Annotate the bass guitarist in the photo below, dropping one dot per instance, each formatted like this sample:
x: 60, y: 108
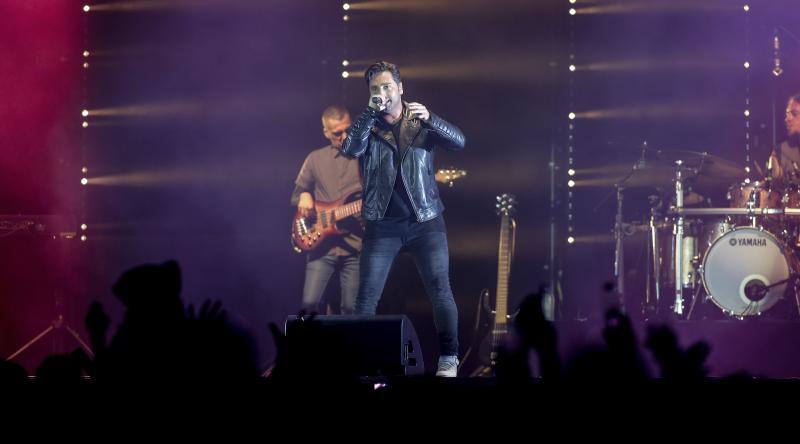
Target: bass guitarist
x: 326, y: 176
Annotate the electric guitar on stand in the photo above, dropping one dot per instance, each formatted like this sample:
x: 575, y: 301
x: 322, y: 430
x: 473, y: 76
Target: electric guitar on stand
x: 309, y: 232
x: 498, y: 318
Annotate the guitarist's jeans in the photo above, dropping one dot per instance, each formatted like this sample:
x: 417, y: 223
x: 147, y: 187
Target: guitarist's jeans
x: 318, y: 274
x: 431, y: 256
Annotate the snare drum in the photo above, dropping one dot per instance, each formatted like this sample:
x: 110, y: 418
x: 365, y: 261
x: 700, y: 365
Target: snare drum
x: 713, y: 229
x: 756, y: 195
x: 791, y: 224
x: 791, y: 197
x: 753, y: 195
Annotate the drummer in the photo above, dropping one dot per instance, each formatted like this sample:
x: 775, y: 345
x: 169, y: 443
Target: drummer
x: 783, y: 164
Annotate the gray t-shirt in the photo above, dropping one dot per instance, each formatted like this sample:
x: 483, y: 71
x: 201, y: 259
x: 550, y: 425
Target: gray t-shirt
x: 789, y: 155
x: 329, y: 176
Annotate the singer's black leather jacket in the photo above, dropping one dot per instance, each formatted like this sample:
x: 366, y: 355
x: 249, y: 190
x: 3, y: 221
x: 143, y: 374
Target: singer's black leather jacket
x: 378, y: 154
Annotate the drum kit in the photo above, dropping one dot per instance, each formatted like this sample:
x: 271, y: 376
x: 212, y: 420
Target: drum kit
x: 742, y: 256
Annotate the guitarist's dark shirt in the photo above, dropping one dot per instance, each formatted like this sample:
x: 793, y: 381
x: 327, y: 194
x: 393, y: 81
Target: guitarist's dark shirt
x: 329, y: 176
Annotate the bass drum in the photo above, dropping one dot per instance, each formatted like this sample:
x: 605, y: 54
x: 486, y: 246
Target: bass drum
x: 740, y: 265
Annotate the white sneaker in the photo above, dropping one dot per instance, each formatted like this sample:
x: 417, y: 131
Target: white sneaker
x: 448, y: 366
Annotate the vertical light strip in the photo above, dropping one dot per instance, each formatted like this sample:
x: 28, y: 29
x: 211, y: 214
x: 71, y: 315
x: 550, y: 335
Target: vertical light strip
x: 84, y: 113
x: 345, y: 42
x: 748, y: 160
x: 571, y: 126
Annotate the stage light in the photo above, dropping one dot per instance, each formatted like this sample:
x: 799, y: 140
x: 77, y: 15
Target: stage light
x: 571, y: 116
x: 84, y: 170
x: 746, y: 65
x: 346, y: 6
x: 345, y: 17
x: 747, y: 113
x: 573, y: 1
x: 747, y: 180
x: 571, y: 183
x: 83, y: 238
x: 85, y: 113
x: 746, y: 8
x: 572, y: 11
x: 345, y: 74
x: 572, y: 68
x: 747, y: 169
x: 345, y: 63
x: 84, y: 181
x: 570, y: 240
x: 84, y: 227
x: 571, y: 172
x: 85, y: 124
x: 86, y: 8
x: 86, y: 65
x: 86, y: 53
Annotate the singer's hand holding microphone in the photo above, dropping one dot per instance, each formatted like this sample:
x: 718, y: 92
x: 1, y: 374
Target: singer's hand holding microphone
x: 417, y: 110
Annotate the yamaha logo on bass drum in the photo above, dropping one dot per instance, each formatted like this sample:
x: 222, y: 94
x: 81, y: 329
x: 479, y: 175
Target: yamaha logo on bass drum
x: 748, y: 242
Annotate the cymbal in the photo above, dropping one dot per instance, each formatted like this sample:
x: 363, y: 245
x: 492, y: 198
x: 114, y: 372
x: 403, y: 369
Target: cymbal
x: 700, y: 169
x: 707, y: 163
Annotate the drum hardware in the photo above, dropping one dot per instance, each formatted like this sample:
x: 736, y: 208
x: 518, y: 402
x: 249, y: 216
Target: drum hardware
x: 757, y: 289
x: 652, y: 301
x: 619, y: 252
x: 697, y: 291
x: 739, y: 257
x: 678, y: 305
x: 740, y: 282
x: 619, y: 226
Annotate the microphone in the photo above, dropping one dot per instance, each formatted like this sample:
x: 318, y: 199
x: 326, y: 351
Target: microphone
x: 755, y: 290
x: 642, y: 162
x: 376, y: 103
x: 776, y: 44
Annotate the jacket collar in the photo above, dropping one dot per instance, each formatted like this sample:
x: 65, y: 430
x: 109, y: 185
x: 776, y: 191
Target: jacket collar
x: 408, y: 131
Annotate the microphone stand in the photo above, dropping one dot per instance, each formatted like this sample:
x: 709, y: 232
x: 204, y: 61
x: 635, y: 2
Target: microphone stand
x: 619, y: 251
x: 761, y: 290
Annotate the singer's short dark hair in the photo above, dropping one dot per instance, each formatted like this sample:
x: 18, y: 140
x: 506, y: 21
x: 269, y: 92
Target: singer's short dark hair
x: 795, y: 97
x: 379, y: 67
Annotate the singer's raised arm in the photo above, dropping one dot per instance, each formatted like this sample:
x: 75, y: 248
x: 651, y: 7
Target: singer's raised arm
x: 357, y: 141
x: 450, y: 136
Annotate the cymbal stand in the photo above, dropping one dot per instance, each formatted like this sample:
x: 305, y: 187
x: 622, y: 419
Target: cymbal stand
x: 652, y: 300
x: 619, y: 252
x: 677, y: 308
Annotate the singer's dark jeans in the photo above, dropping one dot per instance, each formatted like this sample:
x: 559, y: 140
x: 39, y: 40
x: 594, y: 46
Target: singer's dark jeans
x: 430, y: 253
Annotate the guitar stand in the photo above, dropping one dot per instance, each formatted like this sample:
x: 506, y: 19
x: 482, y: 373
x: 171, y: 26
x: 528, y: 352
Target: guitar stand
x: 58, y: 281
x: 56, y: 324
x: 695, y: 297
